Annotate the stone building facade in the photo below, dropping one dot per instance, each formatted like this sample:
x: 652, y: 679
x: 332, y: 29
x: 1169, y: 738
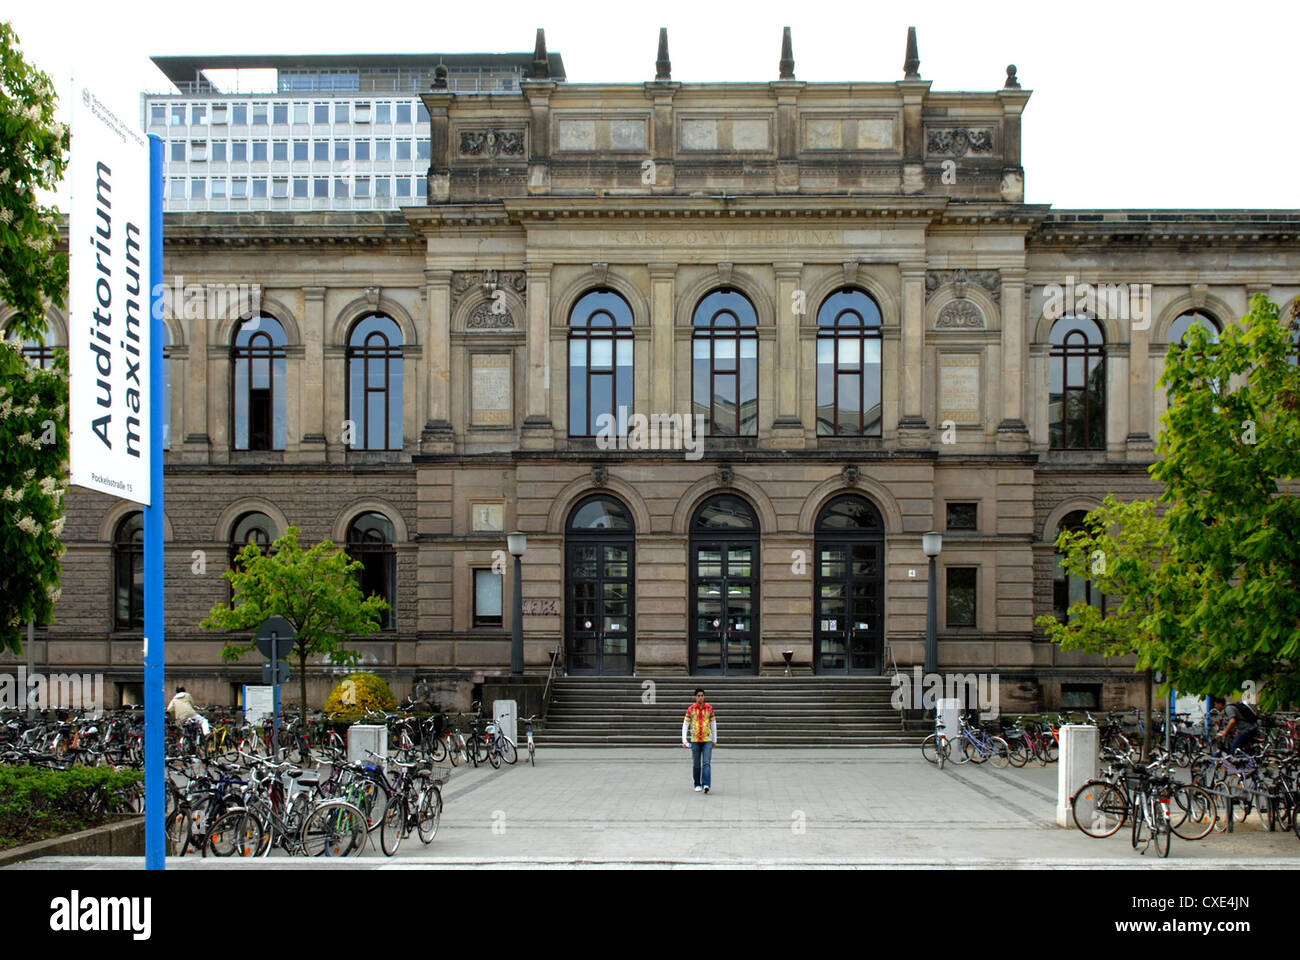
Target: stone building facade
x: 795, y: 524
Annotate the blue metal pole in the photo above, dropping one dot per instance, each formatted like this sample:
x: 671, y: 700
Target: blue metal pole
x: 154, y: 644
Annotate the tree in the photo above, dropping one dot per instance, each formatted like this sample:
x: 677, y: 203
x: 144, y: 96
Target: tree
x: 33, y: 402
x: 32, y: 148
x: 316, y: 590
x: 1231, y: 442
x: 33, y: 469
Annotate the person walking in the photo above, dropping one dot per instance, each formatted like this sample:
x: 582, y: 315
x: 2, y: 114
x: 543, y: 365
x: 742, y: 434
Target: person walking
x: 1242, y: 727
x: 700, y: 733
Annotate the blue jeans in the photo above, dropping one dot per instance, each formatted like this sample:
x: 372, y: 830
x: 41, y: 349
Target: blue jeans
x: 701, y: 754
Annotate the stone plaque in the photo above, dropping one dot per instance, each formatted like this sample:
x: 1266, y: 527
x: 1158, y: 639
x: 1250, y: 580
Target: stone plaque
x: 627, y: 134
x: 699, y: 134
x: 875, y: 133
x: 490, y: 517
x: 749, y: 135
x: 491, y: 397
x: 959, y: 388
x: 577, y: 134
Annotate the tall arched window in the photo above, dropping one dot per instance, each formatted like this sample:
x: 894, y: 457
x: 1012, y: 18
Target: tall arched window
x: 128, y: 573
x: 371, y: 540
x: 724, y: 382
x: 1066, y: 589
x: 848, y: 365
x: 600, y: 361
x: 849, y: 587
x: 374, y: 387
x: 257, y: 386
x: 1077, y: 385
x: 1182, y: 326
x: 255, y: 528
x: 40, y: 352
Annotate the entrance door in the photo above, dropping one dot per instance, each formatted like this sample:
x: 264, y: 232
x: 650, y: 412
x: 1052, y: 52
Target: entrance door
x: 600, y: 580
x: 724, y: 588
x: 848, y: 601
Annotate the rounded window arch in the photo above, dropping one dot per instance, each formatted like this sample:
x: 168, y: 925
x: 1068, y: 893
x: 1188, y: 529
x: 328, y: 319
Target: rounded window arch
x: 1067, y: 589
x: 601, y: 349
x: 850, y: 513
x: 128, y: 572
x: 600, y: 513
x: 1184, y: 322
x: 725, y: 512
x: 257, y: 353
x: 371, y: 540
x: 1077, y: 385
x: 848, y: 365
x: 40, y: 351
x: 724, y: 365
x: 374, y: 383
x: 255, y: 528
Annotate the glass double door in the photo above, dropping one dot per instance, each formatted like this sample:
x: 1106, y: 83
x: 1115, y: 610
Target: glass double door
x: 600, y: 607
x: 724, y: 598
x: 848, y: 617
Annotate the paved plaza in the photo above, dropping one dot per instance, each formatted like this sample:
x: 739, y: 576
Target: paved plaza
x: 768, y: 808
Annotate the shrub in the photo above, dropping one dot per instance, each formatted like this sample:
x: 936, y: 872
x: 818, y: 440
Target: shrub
x: 357, y: 694
x: 37, y: 803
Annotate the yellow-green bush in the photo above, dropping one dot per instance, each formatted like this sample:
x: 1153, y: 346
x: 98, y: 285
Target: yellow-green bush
x: 359, y: 693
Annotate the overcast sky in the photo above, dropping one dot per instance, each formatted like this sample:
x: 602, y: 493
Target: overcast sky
x: 1135, y: 104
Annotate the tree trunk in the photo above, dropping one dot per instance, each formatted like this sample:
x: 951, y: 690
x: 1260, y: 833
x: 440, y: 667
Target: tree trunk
x: 302, y: 686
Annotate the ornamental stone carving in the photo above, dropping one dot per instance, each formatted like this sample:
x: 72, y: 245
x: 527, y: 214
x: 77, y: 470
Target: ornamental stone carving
x: 962, y: 315
x: 492, y: 143
x: 490, y: 315
x: 489, y: 281
x: 959, y: 141
x: 990, y: 281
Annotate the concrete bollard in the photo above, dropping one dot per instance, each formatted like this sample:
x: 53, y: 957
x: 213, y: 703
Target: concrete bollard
x: 1077, y: 763
x: 363, y: 737
x: 949, y: 719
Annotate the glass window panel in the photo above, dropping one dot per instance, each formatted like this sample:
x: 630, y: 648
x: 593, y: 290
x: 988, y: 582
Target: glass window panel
x: 279, y: 151
x: 238, y: 151
x: 709, y: 562
x: 403, y: 113
x: 321, y: 113
x: 300, y: 113
x: 724, y: 349
x: 849, y: 351
x: 602, y: 353
x: 403, y: 149
x: 280, y: 113
x: 239, y: 113
x: 384, y: 150
x: 487, y: 595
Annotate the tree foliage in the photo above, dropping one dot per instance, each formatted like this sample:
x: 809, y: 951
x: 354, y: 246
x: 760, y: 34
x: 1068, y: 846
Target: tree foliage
x: 316, y: 590
x: 1204, y: 584
x: 33, y: 470
x: 32, y: 157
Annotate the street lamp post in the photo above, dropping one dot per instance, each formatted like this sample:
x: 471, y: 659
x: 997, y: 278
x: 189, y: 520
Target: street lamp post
x: 517, y: 543
x: 931, y: 544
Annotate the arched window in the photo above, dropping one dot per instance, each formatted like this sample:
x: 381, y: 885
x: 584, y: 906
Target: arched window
x: 848, y: 587
x: 39, y: 352
x: 1077, y: 385
x: 255, y: 528
x: 374, y: 387
x: 1067, y: 589
x: 1185, y: 321
x: 371, y: 540
x: 724, y: 383
x: 128, y: 573
x: 257, y: 386
x: 848, y: 365
x: 600, y: 362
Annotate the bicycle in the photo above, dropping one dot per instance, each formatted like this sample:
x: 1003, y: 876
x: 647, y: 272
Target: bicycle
x: 424, y: 808
x: 528, y: 727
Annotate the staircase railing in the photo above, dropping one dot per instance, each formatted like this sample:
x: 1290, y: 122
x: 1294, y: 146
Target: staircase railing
x: 893, y: 670
x: 556, y: 656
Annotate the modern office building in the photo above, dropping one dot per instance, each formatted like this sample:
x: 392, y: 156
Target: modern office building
x: 723, y: 351
x: 331, y: 132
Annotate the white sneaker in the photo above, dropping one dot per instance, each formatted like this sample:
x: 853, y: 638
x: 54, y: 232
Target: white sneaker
x: 698, y: 789
x: 706, y: 789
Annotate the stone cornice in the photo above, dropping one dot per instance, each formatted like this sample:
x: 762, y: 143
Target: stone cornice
x: 1093, y: 227
x: 276, y: 228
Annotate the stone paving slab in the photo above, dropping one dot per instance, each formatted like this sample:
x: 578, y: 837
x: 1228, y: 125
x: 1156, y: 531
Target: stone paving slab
x: 770, y: 809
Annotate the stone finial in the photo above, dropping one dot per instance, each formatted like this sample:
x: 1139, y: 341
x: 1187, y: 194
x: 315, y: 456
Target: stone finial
x: 912, y: 59
x: 1012, y: 83
x: 787, y: 56
x: 541, y: 63
x: 663, y: 66
x: 599, y: 475
x: 600, y: 270
x: 440, y: 76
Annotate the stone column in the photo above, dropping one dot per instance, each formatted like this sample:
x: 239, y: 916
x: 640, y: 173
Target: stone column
x: 538, y: 432
x: 664, y: 172
x: 913, y: 93
x: 194, y: 428
x: 1117, y: 399
x: 220, y: 413
x: 438, y: 435
x: 913, y: 430
x: 1013, y: 435
x: 539, y: 93
x: 787, y: 428
x: 312, y: 391
x: 787, y: 134
x: 663, y: 299
x: 1139, y: 444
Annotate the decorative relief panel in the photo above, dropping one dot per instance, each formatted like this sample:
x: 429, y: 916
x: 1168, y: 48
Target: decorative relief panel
x: 583, y: 135
x: 494, y: 142
x: 990, y: 281
x: 726, y: 133
x: 958, y: 141
x: 488, y: 280
x: 960, y: 314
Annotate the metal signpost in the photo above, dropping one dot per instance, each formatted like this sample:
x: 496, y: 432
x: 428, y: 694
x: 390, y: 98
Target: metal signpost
x: 274, y: 640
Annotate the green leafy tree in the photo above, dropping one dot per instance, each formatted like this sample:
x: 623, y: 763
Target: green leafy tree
x: 316, y: 590
x: 32, y: 157
x: 1230, y: 458
x: 33, y: 469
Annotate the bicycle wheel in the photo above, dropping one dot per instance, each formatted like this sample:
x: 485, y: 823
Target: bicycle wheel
x: 428, y: 813
x: 1161, y: 833
x: 1001, y: 755
x: 390, y: 833
x: 178, y: 832
x: 1019, y: 753
x: 1192, y: 812
x: 1051, y: 750
x: 975, y: 752
x: 334, y: 829
x: 438, y: 752
x: 373, y: 800
x: 1141, y: 829
x: 1099, y: 808
x: 494, y: 754
x: 236, y: 832
x: 509, y: 752
x: 942, y: 750
x: 532, y: 753
x: 928, y: 749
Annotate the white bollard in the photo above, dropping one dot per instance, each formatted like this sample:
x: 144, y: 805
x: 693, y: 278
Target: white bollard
x: 363, y: 737
x: 948, y: 714
x: 505, y: 713
x: 1077, y: 763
